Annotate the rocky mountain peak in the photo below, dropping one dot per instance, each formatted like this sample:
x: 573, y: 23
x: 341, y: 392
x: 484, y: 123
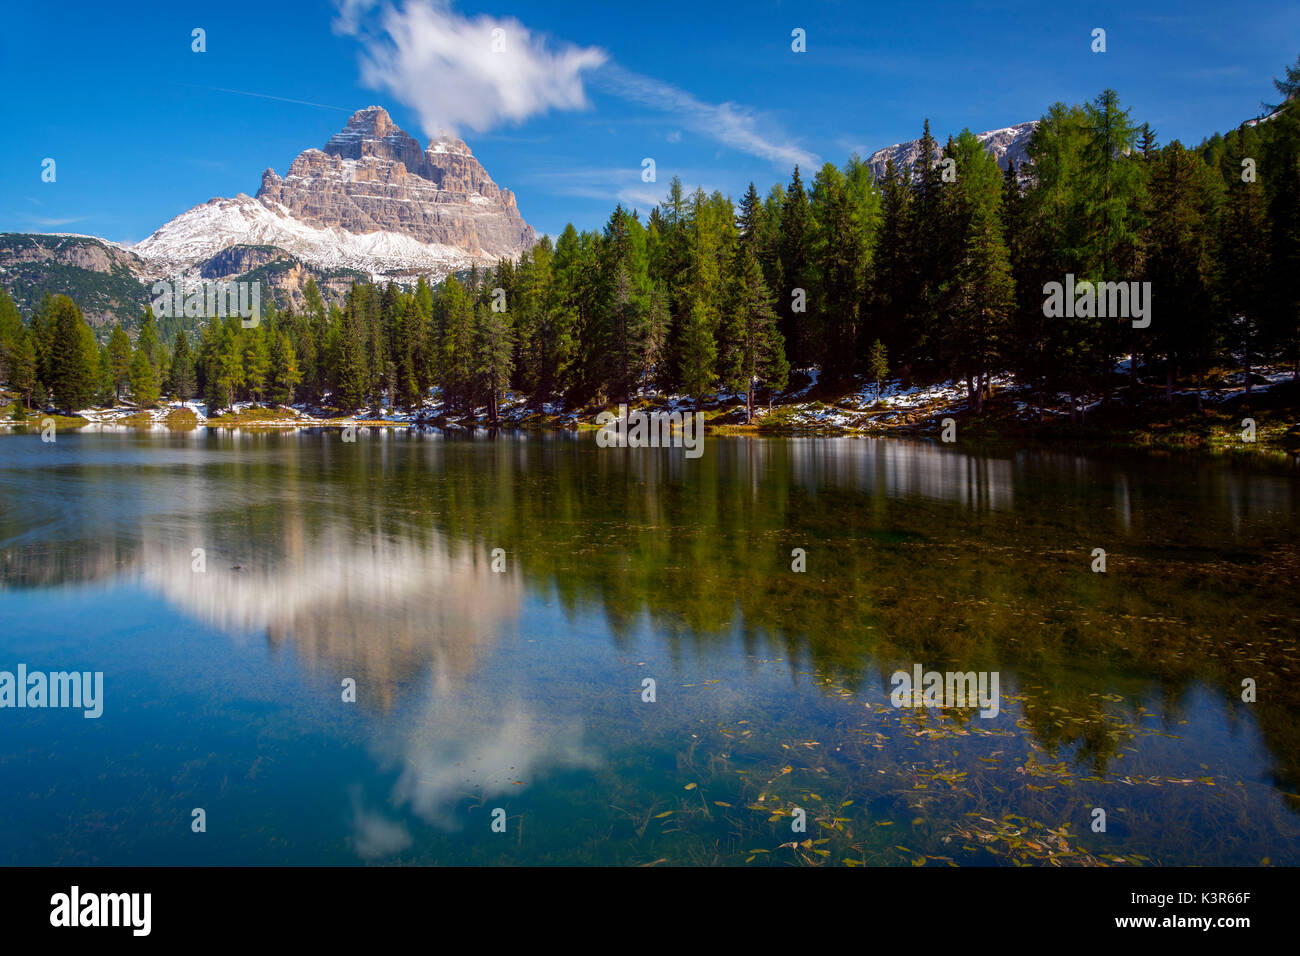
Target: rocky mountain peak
x: 444, y: 142
x: 372, y: 199
x: 372, y: 132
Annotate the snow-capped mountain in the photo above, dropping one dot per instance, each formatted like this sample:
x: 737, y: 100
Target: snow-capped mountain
x: 372, y: 200
x: 196, y: 236
x: 1005, y: 144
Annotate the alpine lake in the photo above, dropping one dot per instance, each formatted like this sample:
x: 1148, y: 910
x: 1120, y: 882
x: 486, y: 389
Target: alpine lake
x: 672, y: 660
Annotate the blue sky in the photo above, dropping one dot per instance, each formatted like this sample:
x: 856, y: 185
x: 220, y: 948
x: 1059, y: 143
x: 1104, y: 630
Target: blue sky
x: 141, y: 130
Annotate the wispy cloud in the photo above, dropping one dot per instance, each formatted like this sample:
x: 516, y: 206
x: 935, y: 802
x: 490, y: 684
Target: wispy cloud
x: 55, y: 222
x: 266, y: 96
x: 444, y: 66
x: 738, y: 127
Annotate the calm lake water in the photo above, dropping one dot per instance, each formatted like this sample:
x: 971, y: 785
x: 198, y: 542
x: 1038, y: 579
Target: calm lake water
x: 522, y: 690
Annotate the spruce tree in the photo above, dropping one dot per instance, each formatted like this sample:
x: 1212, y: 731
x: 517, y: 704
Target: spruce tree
x: 793, y: 254
x: 1180, y: 261
x: 698, y: 352
x: 71, y: 373
x: 182, y: 383
x: 119, y: 359
x: 283, y: 372
x: 22, y: 372
x: 493, y: 356
x: 752, y: 345
x: 878, y: 365
x: 144, y: 380
x: 1242, y: 250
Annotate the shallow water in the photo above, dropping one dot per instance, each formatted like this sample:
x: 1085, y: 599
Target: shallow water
x: 522, y: 690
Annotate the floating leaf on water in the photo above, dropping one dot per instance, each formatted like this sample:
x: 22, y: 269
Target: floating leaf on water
x: 690, y: 786
x: 660, y: 816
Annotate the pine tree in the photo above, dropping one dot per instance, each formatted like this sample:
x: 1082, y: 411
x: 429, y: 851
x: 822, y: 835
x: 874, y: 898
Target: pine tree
x: 1146, y: 141
x: 257, y: 360
x: 624, y: 341
x: 182, y: 383
x: 750, y: 221
x: 351, y: 380
x: 878, y: 365
x: 1054, y: 354
x: 229, y: 365
x: 149, y: 342
x: 22, y: 372
x: 144, y: 380
x: 979, y: 296
x: 698, y: 352
x: 119, y: 360
x: 283, y: 371
x: 1180, y: 262
x: 753, y: 349
x: 72, y: 374
x: 493, y: 356
x: 845, y: 214
x: 793, y: 254
x: 1243, y: 251
x: 893, y: 282
x: 455, y: 309
x: 11, y: 331
x: 1113, y: 207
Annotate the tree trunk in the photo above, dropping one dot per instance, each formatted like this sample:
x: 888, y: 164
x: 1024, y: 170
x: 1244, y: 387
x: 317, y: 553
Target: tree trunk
x: 749, y: 404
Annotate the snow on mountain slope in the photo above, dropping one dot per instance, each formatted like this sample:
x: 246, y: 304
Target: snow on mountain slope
x: 205, y: 230
x: 372, y: 200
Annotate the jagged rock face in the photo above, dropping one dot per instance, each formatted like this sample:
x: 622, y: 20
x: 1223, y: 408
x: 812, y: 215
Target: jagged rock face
x: 374, y: 177
x: 81, y: 252
x: 1005, y: 144
x: 239, y: 259
x: 372, y: 201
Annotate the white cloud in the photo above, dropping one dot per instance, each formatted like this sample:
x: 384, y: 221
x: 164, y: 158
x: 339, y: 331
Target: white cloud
x: 443, y: 65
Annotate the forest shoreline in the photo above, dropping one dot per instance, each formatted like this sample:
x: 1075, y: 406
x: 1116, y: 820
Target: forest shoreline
x: 1008, y: 416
